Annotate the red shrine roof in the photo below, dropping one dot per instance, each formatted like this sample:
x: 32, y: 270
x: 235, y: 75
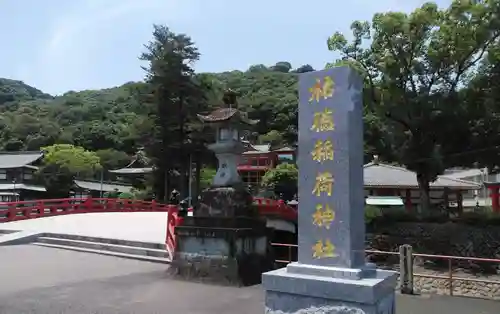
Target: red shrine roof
x: 226, y: 114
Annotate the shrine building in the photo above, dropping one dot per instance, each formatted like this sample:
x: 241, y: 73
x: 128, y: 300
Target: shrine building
x: 260, y: 158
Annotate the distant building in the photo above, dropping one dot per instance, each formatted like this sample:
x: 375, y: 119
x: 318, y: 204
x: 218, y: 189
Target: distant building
x: 479, y: 176
x: 93, y: 188
x: 136, y: 171
x: 17, y: 176
x: 260, y: 158
x: 133, y: 174
x: 387, y: 180
x: 490, y: 186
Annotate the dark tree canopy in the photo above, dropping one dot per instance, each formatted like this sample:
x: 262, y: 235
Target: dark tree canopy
x: 304, y: 69
x: 415, y: 66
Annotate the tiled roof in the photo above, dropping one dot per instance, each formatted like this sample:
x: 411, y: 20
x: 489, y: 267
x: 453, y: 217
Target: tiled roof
x: 18, y: 159
x: 108, y: 187
x: 220, y: 114
x: 285, y: 149
x: 263, y: 148
x: 256, y: 149
x: 254, y: 152
x: 132, y: 170
x: 465, y: 173
x: 224, y: 114
x: 382, y: 175
x: 21, y: 186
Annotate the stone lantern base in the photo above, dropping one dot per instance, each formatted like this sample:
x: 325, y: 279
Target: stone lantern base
x: 224, y: 242
x: 231, y: 201
x: 221, y: 250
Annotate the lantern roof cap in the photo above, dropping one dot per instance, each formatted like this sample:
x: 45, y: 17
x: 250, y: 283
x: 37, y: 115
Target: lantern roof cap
x: 229, y: 112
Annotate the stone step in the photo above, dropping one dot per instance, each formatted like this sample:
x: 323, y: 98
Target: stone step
x: 7, y: 231
x: 146, y: 258
x: 109, y: 253
x: 150, y: 245
x: 100, y: 246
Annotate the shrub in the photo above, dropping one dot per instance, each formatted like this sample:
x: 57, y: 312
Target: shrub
x: 282, y: 180
x: 371, y: 214
x: 393, y: 215
x: 126, y: 195
x: 478, y: 219
x: 206, y: 177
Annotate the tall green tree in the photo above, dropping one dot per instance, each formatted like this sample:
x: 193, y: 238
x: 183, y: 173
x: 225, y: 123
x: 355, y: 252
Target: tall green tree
x: 483, y: 95
x: 176, y: 95
x: 414, y: 67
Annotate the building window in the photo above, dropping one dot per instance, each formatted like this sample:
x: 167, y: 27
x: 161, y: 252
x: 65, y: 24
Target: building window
x: 255, y: 162
x: 3, y: 175
x: 263, y: 162
x: 27, y: 176
x: 252, y: 178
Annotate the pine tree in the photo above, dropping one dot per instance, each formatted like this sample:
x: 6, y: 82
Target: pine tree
x: 171, y: 75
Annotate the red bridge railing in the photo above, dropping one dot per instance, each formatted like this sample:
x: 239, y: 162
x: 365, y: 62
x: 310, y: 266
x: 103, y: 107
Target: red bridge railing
x: 12, y: 211
x: 275, y: 208
x: 173, y: 221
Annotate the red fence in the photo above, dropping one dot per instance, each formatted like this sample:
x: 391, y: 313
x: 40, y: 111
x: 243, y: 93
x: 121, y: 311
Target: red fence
x: 12, y: 211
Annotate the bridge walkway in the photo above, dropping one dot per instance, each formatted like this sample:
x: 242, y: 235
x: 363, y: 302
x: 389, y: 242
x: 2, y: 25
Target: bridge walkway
x: 132, y: 226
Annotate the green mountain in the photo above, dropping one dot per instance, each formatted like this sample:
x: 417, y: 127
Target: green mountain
x: 12, y: 91
x: 110, y: 118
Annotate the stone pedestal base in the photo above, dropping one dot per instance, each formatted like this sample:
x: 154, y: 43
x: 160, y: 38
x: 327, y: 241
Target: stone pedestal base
x: 229, y: 251
x: 304, y: 289
x: 225, y: 202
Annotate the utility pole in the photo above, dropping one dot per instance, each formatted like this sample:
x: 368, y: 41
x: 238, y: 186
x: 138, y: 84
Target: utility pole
x: 102, y: 179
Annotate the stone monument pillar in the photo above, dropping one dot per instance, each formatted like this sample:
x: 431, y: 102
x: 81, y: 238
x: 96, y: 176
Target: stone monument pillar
x: 225, y: 241
x: 331, y: 275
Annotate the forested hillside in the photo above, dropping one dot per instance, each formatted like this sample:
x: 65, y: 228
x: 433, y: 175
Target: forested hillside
x: 110, y: 118
x: 11, y: 90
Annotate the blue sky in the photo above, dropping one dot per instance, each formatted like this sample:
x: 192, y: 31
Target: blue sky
x: 62, y: 45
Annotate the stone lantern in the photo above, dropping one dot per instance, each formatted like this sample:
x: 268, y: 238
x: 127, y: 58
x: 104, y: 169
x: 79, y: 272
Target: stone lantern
x: 224, y: 241
x: 229, y: 122
x: 227, y: 196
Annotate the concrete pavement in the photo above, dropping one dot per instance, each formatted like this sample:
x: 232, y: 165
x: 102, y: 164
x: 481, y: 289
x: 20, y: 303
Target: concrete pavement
x: 42, y: 280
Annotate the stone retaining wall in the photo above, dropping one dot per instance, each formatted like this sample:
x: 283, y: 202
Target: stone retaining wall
x: 422, y: 285
x: 443, y: 239
x: 462, y: 288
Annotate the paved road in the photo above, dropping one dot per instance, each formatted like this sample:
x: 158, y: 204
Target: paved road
x: 37, y: 280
